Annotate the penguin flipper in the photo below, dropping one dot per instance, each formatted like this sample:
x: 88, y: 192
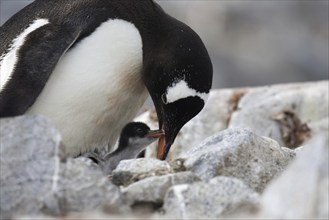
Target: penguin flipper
x: 37, y: 59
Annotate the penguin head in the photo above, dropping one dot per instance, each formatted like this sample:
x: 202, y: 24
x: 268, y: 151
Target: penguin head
x: 178, y: 77
x: 137, y: 136
x: 134, y: 138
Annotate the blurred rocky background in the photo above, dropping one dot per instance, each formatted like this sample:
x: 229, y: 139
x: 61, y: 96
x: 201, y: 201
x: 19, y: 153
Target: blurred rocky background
x: 251, y: 43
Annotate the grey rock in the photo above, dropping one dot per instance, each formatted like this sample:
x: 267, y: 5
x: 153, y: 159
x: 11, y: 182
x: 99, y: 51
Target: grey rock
x: 83, y: 187
x: 29, y: 158
x: 302, y: 191
x: 153, y: 189
x: 36, y: 179
x: 283, y: 112
x: 319, y: 126
x: 130, y: 171
x: 218, y: 197
x: 239, y: 153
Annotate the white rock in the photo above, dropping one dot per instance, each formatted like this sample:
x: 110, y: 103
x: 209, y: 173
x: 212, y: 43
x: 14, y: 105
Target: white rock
x: 130, y: 171
x: 35, y: 179
x: 302, y: 191
x: 239, y: 153
x: 295, y: 105
x: 153, y: 189
x: 83, y: 187
x: 29, y: 161
x: 200, y: 200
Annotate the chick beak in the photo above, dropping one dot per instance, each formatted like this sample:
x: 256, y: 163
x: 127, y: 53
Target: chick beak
x: 155, y: 134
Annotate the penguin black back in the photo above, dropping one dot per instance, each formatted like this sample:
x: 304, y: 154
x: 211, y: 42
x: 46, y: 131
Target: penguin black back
x: 133, y: 46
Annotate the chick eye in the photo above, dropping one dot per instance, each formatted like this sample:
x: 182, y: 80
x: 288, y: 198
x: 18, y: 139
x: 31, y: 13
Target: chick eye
x: 164, y: 99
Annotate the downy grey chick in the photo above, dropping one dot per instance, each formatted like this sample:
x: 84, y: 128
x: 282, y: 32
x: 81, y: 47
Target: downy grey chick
x: 134, y: 138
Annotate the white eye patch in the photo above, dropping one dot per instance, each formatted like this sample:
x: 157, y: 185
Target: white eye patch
x: 181, y: 90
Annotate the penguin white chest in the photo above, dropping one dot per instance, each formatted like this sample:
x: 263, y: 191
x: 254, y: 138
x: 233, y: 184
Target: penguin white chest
x: 96, y: 87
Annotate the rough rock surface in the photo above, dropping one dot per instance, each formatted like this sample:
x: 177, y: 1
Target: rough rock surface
x: 302, y: 191
x: 213, y: 199
x: 35, y: 178
x: 282, y: 112
x: 241, y: 154
x: 29, y: 158
x: 83, y: 187
x: 130, y: 171
x: 153, y: 189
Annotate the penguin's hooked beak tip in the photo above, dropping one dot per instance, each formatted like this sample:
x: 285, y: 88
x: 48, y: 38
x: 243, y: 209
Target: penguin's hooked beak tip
x: 163, y: 146
x: 158, y: 134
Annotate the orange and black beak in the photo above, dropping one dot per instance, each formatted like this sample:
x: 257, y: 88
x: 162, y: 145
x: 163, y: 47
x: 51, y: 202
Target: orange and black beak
x: 172, y: 117
x: 166, y: 141
x: 161, y: 146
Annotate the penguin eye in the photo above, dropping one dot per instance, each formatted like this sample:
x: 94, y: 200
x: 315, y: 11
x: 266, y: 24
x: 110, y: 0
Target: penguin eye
x: 164, y: 99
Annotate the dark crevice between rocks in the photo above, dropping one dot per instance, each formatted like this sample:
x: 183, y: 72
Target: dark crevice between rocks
x: 293, y: 132
x: 233, y: 102
x: 143, y: 208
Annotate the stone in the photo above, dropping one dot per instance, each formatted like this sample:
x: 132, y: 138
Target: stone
x: 283, y: 112
x: 153, y: 189
x: 302, y: 190
x: 37, y: 180
x: 29, y: 158
x: 83, y: 187
x: 239, y: 153
x: 319, y: 126
x: 130, y: 171
x: 218, y: 197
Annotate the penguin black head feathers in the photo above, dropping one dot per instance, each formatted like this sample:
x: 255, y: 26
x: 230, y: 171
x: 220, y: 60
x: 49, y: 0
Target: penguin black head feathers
x: 182, y: 81
x: 137, y: 135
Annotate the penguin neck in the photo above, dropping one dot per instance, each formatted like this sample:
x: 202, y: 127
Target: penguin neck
x: 124, y: 152
x: 153, y: 25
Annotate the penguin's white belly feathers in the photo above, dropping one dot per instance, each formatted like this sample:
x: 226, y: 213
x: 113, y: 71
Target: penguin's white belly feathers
x: 96, y: 88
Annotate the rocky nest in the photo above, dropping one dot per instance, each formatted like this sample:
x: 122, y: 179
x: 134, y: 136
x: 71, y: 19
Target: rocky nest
x: 251, y: 153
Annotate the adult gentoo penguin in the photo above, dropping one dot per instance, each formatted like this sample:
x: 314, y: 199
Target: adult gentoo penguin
x: 134, y: 138
x: 89, y: 65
